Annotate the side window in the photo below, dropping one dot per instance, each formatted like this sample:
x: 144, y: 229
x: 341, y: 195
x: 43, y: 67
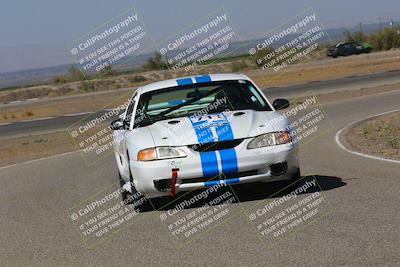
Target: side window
x: 256, y: 97
x: 129, y: 110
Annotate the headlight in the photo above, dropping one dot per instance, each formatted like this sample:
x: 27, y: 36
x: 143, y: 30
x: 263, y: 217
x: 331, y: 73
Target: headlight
x: 270, y: 139
x: 160, y: 153
x: 169, y: 152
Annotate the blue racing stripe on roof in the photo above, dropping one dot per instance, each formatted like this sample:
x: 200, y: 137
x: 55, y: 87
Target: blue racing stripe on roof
x: 228, y: 181
x: 203, y: 79
x: 184, y: 81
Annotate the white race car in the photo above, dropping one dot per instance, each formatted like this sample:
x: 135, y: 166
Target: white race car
x: 200, y: 131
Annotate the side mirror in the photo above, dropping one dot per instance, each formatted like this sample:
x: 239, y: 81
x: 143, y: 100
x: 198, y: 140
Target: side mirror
x: 117, y: 125
x: 280, y: 103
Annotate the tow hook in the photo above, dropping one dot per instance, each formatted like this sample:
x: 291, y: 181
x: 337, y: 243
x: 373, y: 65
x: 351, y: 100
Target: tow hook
x: 174, y: 177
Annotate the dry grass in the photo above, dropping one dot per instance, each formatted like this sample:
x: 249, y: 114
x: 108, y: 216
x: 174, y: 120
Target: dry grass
x: 332, y: 69
x: 379, y: 136
x: 351, y: 94
x: 60, y: 107
x: 20, y: 149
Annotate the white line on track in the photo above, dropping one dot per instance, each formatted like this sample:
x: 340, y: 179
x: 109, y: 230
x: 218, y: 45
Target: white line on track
x: 39, y: 119
x: 337, y: 139
x: 39, y: 159
x: 47, y: 118
x: 77, y: 114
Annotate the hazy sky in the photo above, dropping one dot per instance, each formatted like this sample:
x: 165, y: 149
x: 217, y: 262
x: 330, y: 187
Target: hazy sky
x: 34, y: 32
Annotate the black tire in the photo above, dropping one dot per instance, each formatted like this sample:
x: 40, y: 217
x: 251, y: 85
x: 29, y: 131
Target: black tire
x: 297, y: 175
x: 126, y: 195
x: 295, y: 179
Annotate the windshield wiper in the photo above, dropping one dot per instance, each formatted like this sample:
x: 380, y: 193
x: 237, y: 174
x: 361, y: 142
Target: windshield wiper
x: 190, y: 101
x: 148, y: 121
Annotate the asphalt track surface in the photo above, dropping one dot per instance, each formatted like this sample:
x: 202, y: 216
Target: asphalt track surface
x: 318, y: 87
x: 361, y: 230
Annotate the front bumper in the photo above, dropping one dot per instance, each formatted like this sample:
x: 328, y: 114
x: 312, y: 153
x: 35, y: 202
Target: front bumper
x: 153, y: 178
x: 331, y: 53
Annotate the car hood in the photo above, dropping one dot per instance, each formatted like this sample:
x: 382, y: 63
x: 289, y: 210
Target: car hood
x: 243, y: 124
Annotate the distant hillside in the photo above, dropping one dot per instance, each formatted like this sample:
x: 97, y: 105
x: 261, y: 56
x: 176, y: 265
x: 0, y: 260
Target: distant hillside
x: 31, y: 77
x: 45, y: 75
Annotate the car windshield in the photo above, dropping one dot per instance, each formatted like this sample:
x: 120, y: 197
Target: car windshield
x: 201, y: 98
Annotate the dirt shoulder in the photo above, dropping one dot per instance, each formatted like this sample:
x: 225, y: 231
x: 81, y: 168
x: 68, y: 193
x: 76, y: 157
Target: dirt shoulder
x: 62, y: 106
x: 351, y: 94
x: 328, y: 69
x: 378, y: 136
x: 21, y: 149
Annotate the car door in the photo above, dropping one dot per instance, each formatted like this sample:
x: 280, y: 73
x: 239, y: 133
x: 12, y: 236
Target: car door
x: 358, y: 48
x: 119, y: 139
x: 348, y: 49
x: 341, y: 50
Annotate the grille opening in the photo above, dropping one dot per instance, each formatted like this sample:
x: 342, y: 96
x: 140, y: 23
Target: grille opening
x: 278, y: 168
x: 221, y: 145
x: 163, y: 185
x: 219, y: 177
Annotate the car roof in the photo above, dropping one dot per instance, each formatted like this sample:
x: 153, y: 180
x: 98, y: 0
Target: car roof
x: 191, y: 79
x: 339, y: 44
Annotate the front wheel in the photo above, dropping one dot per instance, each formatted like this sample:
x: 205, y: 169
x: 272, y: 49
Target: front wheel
x: 135, y: 198
x: 296, y: 176
x: 295, y: 179
x: 126, y: 195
